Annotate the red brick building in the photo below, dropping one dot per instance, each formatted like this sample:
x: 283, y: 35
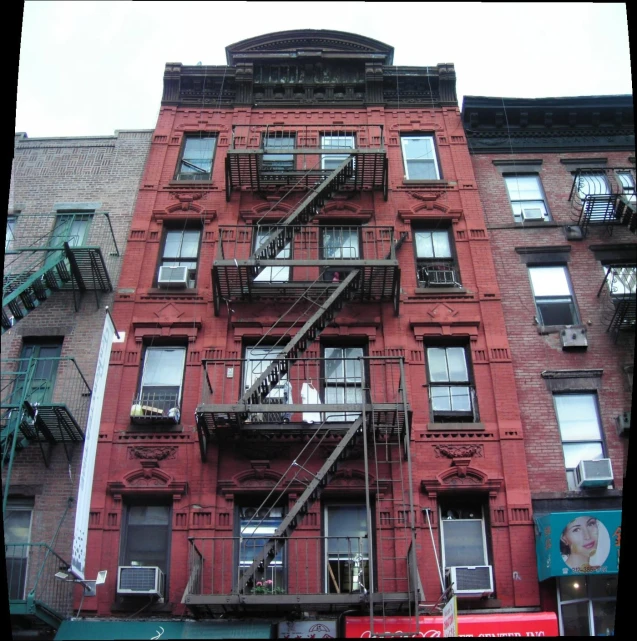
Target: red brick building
x: 556, y: 178
x: 70, y: 206
x: 309, y: 235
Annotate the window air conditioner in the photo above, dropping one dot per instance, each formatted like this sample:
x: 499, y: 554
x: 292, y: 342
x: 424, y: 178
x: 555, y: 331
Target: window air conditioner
x: 598, y: 473
x: 470, y: 581
x: 140, y: 579
x: 173, y: 276
x: 573, y: 337
x: 534, y: 213
x: 623, y: 424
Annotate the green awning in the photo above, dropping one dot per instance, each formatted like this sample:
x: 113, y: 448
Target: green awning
x: 162, y: 630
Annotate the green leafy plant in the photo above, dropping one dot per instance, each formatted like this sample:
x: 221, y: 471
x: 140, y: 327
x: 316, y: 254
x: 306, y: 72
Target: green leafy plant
x: 267, y: 587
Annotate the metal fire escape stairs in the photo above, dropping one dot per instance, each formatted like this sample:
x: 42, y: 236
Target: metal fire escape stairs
x: 81, y: 268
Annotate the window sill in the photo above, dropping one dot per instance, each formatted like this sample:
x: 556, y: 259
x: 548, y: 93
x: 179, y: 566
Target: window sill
x: 455, y: 427
x: 166, y: 291
x: 442, y: 291
x: 519, y: 224
x: 412, y: 182
x: 194, y: 183
x: 556, y: 329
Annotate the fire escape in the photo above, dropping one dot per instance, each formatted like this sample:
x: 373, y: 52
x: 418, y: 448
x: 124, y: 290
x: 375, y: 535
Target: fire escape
x: 604, y: 197
x: 347, y: 405
x: 68, y: 256
x: 619, y: 299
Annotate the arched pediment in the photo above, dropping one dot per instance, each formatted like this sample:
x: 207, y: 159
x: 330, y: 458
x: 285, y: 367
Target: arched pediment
x: 148, y: 479
x: 301, y: 42
x: 461, y: 476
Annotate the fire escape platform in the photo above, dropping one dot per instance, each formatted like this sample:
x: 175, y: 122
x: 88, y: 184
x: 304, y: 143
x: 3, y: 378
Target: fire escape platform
x: 209, y: 604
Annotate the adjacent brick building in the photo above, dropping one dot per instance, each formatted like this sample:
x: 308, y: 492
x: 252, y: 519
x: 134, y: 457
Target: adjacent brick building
x: 70, y: 207
x: 309, y: 235
x: 556, y: 177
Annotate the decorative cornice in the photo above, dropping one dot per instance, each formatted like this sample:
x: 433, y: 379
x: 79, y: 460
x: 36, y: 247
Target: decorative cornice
x: 572, y: 373
x: 461, y: 477
x: 157, y: 453
x: 458, y: 451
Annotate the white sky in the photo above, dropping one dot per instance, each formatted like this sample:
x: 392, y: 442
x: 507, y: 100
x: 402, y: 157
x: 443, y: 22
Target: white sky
x: 89, y: 68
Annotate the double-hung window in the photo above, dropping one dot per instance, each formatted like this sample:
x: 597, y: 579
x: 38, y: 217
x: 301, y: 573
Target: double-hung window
x: 256, y: 526
x: 527, y: 198
x: 179, y: 258
x: 257, y: 360
x: 195, y: 162
x: 587, y: 605
x: 578, y: 420
x: 419, y: 157
x: 146, y: 535
x: 339, y: 243
x: 272, y: 274
x: 161, y: 383
x: 435, y: 264
x: 463, y: 533
x: 72, y: 229
x: 450, y: 392
x: 554, y: 299
x: 278, y: 161
x: 343, y: 381
x: 17, y: 537
x: 341, y: 141
x: 347, y: 549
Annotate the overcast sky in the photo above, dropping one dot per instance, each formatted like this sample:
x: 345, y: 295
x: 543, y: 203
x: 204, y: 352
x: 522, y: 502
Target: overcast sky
x: 89, y: 68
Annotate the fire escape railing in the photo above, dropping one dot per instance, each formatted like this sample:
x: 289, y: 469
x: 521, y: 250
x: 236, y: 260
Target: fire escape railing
x: 618, y: 299
x: 604, y: 196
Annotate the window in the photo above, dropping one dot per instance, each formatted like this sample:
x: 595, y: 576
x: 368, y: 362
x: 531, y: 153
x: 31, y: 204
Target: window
x: 343, y: 381
x: 41, y: 377
x: 17, y: 537
x: 463, y: 535
x: 627, y: 183
x: 181, y: 249
x: 71, y: 228
x: 435, y: 264
x: 527, y: 198
x: 256, y: 526
x: 587, y: 605
x: 580, y: 431
x: 347, y: 549
x: 339, y: 243
x: 195, y: 162
x: 419, y: 157
x: 278, y: 161
x: 341, y: 141
x: 257, y: 360
x: 11, y: 222
x: 622, y: 280
x: 554, y: 300
x: 592, y: 183
x: 146, y: 535
x: 162, y: 379
x: 450, y: 393
x: 272, y: 274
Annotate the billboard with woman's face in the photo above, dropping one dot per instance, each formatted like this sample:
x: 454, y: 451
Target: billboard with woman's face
x: 578, y: 543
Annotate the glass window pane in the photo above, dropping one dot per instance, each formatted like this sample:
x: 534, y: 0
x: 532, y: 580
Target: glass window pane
x: 549, y: 281
x: 424, y: 244
x: 463, y: 542
x: 592, y: 185
x: 576, y: 452
x: 604, y: 618
x: 421, y: 170
x: 460, y: 399
x: 577, y: 417
x: 437, y: 361
x: 197, y: 157
x: 149, y: 515
x: 347, y: 521
x: 17, y: 528
x: 603, y: 586
x: 573, y: 587
x: 524, y: 187
x: 164, y: 366
x: 559, y: 311
x: 337, y: 142
x: 457, y: 364
x: 575, y: 619
x: 418, y: 148
x: 442, y: 248
x: 441, y: 398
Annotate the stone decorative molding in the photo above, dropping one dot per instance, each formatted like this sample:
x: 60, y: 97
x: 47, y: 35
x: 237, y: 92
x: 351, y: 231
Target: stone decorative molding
x: 461, y: 474
x: 147, y: 480
x: 158, y: 453
x: 169, y: 322
x: 444, y: 320
x: 458, y: 451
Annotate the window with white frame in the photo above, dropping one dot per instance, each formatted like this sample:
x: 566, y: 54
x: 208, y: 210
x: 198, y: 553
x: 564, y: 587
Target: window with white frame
x: 161, y: 382
x: 554, y: 299
x: 621, y: 280
x: 435, y: 262
x: 339, y: 141
x: 195, y: 162
x: 272, y: 274
x: 179, y: 258
x: 627, y: 182
x: 587, y: 605
x: 347, y: 549
x: 343, y: 381
x: 11, y: 223
x: 281, y: 161
x: 339, y: 243
x: 17, y: 539
x: 592, y: 183
x: 257, y: 360
x: 419, y: 157
x: 450, y: 391
x: 463, y: 533
x: 527, y: 198
x: 256, y: 526
x: 580, y: 431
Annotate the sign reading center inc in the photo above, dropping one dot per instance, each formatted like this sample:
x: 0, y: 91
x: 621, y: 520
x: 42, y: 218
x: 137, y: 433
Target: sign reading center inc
x: 570, y: 543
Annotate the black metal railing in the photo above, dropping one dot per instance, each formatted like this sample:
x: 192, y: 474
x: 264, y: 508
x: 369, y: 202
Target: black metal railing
x: 618, y: 294
x: 155, y: 407
x: 437, y: 273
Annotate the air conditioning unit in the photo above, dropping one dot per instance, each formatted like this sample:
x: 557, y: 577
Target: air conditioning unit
x: 140, y: 579
x: 597, y: 473
x: 623, y: 424
x: 470, y: 581
x: 573, y: 337
x: 173, y: 276
x: 573, y: 232
x: 532, y: 213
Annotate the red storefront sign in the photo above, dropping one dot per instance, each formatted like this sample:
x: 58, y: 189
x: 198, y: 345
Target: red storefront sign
x: 541, y: 624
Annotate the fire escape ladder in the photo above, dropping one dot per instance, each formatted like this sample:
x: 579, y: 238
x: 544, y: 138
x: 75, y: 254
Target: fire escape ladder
x: 302, y: 506
x: 321, y: 318
x: 305, y: 211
